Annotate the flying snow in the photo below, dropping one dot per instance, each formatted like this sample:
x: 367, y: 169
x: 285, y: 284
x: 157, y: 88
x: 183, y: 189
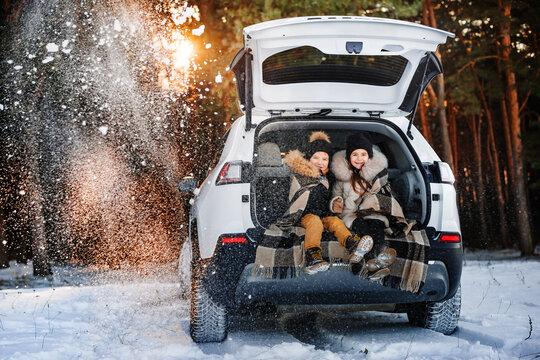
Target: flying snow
x: 117, y: 25
x: 103, y: 129
x: 199, y: 31
x: 51, y: 47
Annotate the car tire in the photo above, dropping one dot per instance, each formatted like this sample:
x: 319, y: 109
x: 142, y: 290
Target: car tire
x: 184, y: 270
x: 208, y: 319
x: 440, y: 316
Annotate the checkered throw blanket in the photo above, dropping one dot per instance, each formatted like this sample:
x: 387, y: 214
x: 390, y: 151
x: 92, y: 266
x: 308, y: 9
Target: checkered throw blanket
x: 409, y: 271
x: 280, y: 253
x: 281, y: 250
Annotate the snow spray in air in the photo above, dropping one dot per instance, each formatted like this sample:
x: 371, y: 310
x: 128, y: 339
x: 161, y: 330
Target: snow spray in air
x: 93, y: 102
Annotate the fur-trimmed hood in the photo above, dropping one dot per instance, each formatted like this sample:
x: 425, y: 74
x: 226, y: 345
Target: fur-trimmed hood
x: 340, y: 165
x: 296, y: 161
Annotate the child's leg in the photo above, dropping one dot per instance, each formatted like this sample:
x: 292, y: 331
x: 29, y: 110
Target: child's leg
x: 314, y: 228
x: 336, y: 226
x: 314, y: 261
x: 373, y: 228
x: 381, y: 257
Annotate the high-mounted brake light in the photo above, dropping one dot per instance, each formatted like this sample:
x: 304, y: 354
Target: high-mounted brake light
x: 450, y: 238
x: 447, y: 176
x: 234, y: 240
x: 231, y: 173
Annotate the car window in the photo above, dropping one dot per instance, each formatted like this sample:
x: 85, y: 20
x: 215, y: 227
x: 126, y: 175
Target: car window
x: 309, y: 64
x: 219, y: 149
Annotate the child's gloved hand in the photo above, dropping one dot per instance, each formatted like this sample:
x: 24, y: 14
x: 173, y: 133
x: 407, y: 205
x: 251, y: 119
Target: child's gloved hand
x: 337, y: 207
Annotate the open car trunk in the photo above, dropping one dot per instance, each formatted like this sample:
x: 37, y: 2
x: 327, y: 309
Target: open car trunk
x: 351, y: 65
x: 278, y: 136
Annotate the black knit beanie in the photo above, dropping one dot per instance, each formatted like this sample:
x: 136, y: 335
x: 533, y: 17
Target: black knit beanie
x: 318, y: 141
x: 358, y: 141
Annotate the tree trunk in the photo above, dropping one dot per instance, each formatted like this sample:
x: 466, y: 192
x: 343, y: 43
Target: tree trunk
x: 496, y: 170
x: 32, y: 196
x: 476, y: 131
x: 440, y: 91
x: 510, y: 178
x: 520, y: 190
x: 452, y: 128
x: 424, y: 121
x: 40, y: 256
x: 4, y: 258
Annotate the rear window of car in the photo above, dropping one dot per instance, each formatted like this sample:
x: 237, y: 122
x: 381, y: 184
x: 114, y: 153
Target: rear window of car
x: 308, y: 64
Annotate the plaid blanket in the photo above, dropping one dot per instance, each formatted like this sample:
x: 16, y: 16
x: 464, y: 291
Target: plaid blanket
x: 280, y: 253
x: 409, y: 271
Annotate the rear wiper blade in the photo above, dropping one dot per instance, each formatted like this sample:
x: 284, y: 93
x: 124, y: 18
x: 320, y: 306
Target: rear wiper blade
x: 323, y: 112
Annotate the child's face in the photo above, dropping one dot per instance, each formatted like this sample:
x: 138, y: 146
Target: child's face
x: 358, y: 158
x: 320, y: 159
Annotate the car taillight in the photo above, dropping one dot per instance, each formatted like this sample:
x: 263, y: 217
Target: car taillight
x: 447, y: 176
x: 234, y: 240
x: 450, y: 238
x: 230, y: 173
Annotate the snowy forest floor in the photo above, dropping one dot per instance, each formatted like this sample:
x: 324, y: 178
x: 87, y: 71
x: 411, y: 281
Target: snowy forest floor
x: 90, y: 314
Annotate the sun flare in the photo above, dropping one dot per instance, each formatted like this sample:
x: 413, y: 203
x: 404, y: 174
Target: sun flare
x: 176, y: 50
x: 182, y: 54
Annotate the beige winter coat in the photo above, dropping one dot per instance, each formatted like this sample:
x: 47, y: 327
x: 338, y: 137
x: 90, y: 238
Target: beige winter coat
x: 344, y: 190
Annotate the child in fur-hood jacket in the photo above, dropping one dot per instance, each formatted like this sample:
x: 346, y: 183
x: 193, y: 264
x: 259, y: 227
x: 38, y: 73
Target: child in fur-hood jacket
x: 362, y: 176
x: 309, y: 197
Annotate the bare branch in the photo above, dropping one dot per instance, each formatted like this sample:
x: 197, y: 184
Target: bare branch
x: 473, y: 62
x: 525, y: 101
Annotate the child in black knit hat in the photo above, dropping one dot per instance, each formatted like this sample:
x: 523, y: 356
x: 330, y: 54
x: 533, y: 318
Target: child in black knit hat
x: 362, y: 173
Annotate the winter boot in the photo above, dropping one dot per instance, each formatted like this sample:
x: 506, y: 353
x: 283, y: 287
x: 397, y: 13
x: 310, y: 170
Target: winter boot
x: 358, y: 247
x: 383, y: 260
x: 378, y: 275
x: 314, y: 261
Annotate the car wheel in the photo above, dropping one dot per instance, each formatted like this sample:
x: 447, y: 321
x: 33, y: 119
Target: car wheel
x: 441, y: 316
x: 208, y: 319
x: 184, y: 269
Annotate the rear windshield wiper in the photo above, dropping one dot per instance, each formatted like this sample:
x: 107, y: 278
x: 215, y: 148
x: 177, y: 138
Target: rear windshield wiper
x: 323, y: 112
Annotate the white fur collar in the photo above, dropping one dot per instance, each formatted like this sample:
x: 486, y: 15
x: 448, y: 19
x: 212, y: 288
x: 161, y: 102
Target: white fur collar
x: 340, y: 165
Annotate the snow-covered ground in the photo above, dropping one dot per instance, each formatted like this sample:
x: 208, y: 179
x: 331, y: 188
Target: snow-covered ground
x: 91, y: 314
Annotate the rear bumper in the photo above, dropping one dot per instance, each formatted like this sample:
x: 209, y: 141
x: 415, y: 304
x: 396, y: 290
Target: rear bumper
x: 228, y: 280
x: 336, y: 287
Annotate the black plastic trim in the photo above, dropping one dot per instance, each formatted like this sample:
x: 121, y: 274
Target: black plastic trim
x: 223, y: 271
x: 238, y: 66
x: 420, y: 81
x: 433, y: 172
x: 338, y: 287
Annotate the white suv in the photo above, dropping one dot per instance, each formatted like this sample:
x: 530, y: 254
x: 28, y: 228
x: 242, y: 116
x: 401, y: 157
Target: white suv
x: 339, y: 74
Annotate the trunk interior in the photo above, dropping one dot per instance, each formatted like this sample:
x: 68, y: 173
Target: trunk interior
x: 276, y: 137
